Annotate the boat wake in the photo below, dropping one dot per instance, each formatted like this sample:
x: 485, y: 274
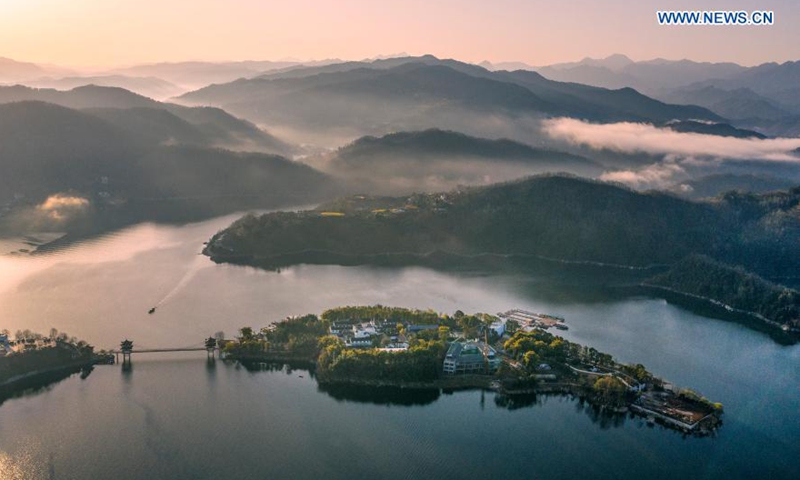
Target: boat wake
x: 194, y: 267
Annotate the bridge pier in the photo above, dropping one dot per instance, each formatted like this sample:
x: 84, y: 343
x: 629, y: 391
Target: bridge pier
x: 211, y: 345
x: 126, y: 346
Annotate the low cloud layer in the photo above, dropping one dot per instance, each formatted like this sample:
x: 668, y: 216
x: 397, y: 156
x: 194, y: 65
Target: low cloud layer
x: 60, y: 207
x: 682, y: 152
x: 656, y: 176
x: 631, y: 137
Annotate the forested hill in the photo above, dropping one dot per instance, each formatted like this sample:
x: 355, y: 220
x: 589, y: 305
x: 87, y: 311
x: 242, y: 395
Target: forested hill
x: 112, y: 169
x: 435, y: 142
x: 436, y: 160
x: 703, y: 277
x: 552, y: 216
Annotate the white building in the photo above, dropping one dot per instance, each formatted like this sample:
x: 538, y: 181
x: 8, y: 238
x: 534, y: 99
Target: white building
x: 498, y: 327
x: 364, y: 330
x: 395, y: 347
x: 358, y: 342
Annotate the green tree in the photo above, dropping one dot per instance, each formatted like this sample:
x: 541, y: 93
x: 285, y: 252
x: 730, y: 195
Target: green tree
x: 444, y: 332
x: 246, y: 334
x: 530, y: 360
x: 610, y: 389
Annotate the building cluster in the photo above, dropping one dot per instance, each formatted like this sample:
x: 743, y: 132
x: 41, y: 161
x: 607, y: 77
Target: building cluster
x: 8, y: 346
x: 367, y: 334
x: 462, y: 357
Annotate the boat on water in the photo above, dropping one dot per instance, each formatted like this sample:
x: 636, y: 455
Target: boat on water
x: 151, y: 311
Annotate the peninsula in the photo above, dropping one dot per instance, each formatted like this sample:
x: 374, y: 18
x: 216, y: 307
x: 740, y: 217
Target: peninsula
x: 512, y: 353
x: 32, y: 359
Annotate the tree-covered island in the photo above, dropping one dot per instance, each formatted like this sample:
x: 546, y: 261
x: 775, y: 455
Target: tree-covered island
x: 386, y: 346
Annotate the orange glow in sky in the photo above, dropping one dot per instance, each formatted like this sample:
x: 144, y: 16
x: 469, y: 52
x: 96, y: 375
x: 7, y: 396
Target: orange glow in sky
x: 122, y: 32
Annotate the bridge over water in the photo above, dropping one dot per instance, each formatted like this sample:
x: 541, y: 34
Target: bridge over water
x: 127, y: 349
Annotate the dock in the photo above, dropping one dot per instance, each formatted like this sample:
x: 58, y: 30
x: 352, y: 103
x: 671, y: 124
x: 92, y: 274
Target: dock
x: 534, y: 320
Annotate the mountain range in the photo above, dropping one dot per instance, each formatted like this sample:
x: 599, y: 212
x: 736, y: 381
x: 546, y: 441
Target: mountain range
x: 199, y: 74
x: 416, y: 93
x: 765, y: 97
x: 13, y: 71
x: 115, y: 163
x: 163, y: 122
x: 618, y: 71
x: 151, y: 87
x: 399, y: 125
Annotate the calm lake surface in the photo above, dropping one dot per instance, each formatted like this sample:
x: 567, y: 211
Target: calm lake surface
x: 178, y: 416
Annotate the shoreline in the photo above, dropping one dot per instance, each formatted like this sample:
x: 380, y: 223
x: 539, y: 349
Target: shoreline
x: 574, y: 390
x: 218, y: 255
x: 755, y: 320
x: 441, y: 259
x: 13, y: 382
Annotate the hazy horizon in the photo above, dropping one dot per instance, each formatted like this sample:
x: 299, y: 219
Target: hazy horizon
x: 101, y: 69
x: 76, y: 34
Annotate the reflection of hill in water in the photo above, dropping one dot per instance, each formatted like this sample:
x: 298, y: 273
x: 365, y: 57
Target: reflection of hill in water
x: 381, y: 395
x: 599, y: 416
x: 262, y: 366
x: 40, y: 384
x: 602, y: 417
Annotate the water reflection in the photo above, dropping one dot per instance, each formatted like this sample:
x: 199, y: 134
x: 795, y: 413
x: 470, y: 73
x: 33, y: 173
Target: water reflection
x: 211, y: 367
x: 86, y: 371
x: 406, y: 397
x: 36, y: 385
x: 605, y: 418
x: 127, y: 370
x: 515, y: 402
x: 288, y: 367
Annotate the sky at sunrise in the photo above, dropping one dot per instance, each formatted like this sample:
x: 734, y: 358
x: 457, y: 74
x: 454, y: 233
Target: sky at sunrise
x: 104, y: 33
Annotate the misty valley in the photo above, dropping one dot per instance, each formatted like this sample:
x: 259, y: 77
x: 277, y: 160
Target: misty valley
x: 266, y: 266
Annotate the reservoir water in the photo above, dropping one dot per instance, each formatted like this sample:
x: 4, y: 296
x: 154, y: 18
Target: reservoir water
x: 180, y: 417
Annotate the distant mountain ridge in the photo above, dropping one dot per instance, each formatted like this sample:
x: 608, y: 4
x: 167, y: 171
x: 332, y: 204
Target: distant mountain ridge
x: 196, y: 74
x: 442, y: 142
x: 738, y: 104
x: 717, y: 129
x: 416, y: 93
x: 13, y: 71
x: 766, y: 96
x: 146, y: 86
x: 211, y: 126
x: 87, y: 96
x: 618, y: 71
